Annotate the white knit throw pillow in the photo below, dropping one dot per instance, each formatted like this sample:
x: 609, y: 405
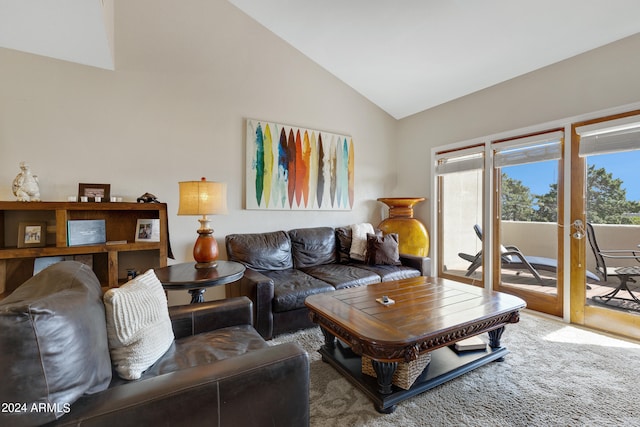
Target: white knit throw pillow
x: 138, y: 325
x: 359, y: 240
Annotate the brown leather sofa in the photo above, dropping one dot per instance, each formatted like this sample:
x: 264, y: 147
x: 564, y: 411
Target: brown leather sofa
x: 284, y: 267
x: 219, y: 371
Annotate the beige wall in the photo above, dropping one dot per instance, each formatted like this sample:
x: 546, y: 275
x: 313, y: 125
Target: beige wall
x: 600, y: 79
x: 187, y: 75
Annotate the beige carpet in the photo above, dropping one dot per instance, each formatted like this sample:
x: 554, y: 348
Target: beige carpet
x: 555, y: 375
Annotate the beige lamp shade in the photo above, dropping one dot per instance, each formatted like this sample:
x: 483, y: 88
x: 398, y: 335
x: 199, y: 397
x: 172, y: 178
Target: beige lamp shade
x: 202, y: 198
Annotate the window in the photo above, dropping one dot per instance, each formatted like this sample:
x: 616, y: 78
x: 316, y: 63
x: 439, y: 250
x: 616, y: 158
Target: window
x: 528, y: 181
x: 460, y: 203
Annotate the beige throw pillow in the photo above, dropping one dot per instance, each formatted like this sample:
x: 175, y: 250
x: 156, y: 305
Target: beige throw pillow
x: 138, y: 325
x: 359, y: 240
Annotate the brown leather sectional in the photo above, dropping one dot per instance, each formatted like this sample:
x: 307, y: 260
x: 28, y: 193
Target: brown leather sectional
x: 284, y: 267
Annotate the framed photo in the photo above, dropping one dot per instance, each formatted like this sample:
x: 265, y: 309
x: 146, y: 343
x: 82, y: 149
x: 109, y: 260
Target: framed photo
x: 91, y: 191
x: 41, y: 263
x: 86, y: 232
x: 32, y: 234
x: 148, y: 230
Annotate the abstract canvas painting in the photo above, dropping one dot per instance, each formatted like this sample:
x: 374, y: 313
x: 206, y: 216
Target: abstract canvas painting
x: 291, y: 168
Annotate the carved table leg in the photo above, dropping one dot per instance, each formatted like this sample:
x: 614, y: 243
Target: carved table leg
x: 494, y: 337
x: 197, y: 295
x: 384, y: 373
x: 494, y: 340
x: 329, y: 339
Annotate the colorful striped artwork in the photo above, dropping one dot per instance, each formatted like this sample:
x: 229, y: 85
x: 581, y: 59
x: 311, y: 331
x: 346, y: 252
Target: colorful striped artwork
x: 291, y: 168
x: 320, y: 168
x: 268, y: 164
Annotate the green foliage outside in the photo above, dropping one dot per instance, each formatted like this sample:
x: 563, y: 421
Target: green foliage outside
x: 606, y: 201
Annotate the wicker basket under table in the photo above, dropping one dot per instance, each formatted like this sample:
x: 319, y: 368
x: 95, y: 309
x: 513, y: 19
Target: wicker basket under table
x: 406, y: 373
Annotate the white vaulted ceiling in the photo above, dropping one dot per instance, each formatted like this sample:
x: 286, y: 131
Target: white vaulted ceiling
x: 403, y: 55
x: 410, y: 55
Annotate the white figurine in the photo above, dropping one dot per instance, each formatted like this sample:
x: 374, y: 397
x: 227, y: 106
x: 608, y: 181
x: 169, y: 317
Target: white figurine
x: 25, y: 186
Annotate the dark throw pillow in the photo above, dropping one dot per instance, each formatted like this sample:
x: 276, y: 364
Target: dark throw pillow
x: 343, y: 240
x: 382, y: 250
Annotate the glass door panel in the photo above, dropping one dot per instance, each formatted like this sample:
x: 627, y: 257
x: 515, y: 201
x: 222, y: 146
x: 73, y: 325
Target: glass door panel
x: 606, y: 155
x: 613, y: 212
x: 460, y: 204
x: 526, y: 232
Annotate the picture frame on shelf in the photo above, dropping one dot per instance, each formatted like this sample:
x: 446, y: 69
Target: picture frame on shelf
x: 92, y: 191
x: 32, y: 234
x: 41, y: 263
x: 86, y: 232
x: 148, y: 230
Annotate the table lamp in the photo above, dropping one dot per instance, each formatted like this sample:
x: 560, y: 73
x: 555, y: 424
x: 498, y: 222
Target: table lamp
x: 203, y: 198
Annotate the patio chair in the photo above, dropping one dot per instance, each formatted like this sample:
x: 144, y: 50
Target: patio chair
x: 513, y: 259
x: 624, y: 274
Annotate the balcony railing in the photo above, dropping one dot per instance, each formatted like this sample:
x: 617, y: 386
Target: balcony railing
x: 540, y: 238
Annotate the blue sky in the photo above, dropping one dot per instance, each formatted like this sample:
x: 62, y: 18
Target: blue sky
x: 626, y: 166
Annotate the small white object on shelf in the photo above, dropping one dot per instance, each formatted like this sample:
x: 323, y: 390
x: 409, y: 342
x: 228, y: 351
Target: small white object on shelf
x: 25, y: 185
x: 116, y: 242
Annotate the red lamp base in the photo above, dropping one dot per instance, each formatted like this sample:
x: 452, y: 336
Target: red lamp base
x: 205, y: 251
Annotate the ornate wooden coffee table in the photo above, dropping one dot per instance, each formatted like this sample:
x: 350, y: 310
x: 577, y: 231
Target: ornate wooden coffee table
x: 429, y: 315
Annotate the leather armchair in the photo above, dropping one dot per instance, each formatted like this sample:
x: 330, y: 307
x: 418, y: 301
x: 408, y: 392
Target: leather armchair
x: 257, y: 388
x: 219, y: 371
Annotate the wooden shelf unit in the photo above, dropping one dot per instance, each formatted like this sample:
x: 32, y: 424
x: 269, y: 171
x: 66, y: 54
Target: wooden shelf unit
x: 110, y: 261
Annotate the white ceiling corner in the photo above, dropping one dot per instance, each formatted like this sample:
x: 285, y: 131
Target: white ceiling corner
x: 79, y: 31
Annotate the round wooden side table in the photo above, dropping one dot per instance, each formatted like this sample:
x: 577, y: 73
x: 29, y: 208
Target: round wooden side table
x: 185, y: 276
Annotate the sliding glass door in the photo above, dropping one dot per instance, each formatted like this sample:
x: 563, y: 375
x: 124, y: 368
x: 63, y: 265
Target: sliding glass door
x: 505, y: 221
x: 605, y: 225
x: 526, y: 238
x: 460, y: 205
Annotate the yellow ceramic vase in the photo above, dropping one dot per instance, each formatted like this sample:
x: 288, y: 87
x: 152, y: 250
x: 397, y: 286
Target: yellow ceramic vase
x: 413, y: 235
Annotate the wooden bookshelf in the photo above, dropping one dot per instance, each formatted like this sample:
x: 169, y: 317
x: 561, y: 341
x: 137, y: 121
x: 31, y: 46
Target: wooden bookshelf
x: 109, y: 261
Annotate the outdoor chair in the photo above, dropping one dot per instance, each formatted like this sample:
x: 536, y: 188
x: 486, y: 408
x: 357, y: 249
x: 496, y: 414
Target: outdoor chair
x: 513, y: 259
x: 624, y: 274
